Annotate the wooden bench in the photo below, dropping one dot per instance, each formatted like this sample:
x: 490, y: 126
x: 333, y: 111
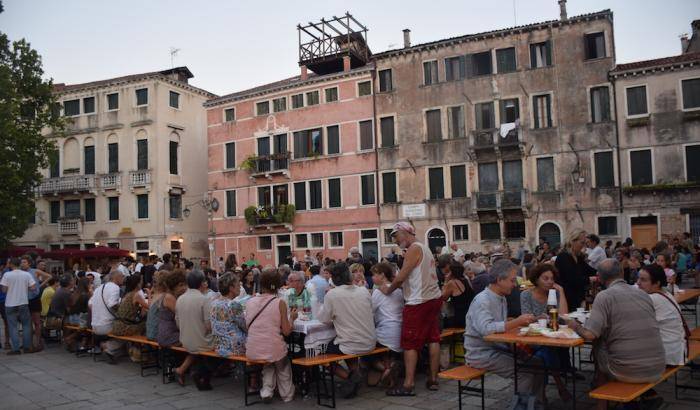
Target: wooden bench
x: 626, y: 392
x: 695, y: 334
x: 146, y: 348
x: 450, y: 334
x: 321, y: 373
x: 465, y: 374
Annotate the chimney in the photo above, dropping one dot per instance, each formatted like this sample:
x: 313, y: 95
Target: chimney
x: 304, y: 73
x: 406, y: 38
x: 562, y: 10
x: 684, y: 43
x: 346, y: 63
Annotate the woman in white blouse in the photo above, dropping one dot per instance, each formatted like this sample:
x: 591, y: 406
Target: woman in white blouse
x: 652, y: 279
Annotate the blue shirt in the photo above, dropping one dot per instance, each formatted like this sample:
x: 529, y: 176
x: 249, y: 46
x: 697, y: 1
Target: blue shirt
x: 3, y: 295
x: 487, y: 314
x: 321, y: 286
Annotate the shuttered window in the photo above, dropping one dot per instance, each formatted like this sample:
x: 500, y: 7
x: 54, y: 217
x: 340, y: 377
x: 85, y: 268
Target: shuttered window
x: 174, y: 99
x: 542, y: 111
x: 455, y: 68
x: 230, y: 155
x: 300, y: 196
x: 142, y: 206
x: 490, y: 231
x: 54, y: 211
x: 386, y: 125
x: 308, y: 143
x: 334, y: 200
x: 691, y: 93
x: 366, y: 135
x: 458, y: 181
x: 637, y: 100
x: 113, y: 157
x: 331, y: 94
x: 367, y: 188
x: 298, y: 100
x: 315, y: 195
x: 231, y: 203
x: 312, y: 98
x: 389, y: 187
x: 434, y: 125
x: 385, y: 80
x: 640, y: 163
x: 455, y: 122
x: 436, y: 183
x: 141, y: 154
x: 484, y: 115
x: 113, y: 208
x: 88, y: 105
x: 594, y: 45
x: 89, y: 204
x: 692, y: 163
x: 604, y: 170
x: 142, y: 96
x: 430, y: 72
x: 540, y: 54
x: 333, y: 136
x: 262, y: 108
x: 545, y: 174
x: 89, y: 159
x: 505, y: 60
x: 173, y: 157
x: 175, y: 202
x: 600, y: 104
x: 479, y: 64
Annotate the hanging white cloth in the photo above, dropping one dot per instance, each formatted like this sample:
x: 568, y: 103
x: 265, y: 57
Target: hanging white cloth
x: 506, y: 128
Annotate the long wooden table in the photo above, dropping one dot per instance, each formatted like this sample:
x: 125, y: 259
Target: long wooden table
x: 688, y: 295
x: 514, y: 338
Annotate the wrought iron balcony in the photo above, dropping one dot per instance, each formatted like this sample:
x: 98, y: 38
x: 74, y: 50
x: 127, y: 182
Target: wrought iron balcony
x: 492, y: 138
x: 498, y: 200
x: 140, y: 178
x: 268, y: 165
x: 70, y: 225
x: 67, y: 184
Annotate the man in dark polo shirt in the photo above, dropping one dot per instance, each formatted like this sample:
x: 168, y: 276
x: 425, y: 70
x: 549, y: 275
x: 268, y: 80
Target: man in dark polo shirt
x: 627, y: 343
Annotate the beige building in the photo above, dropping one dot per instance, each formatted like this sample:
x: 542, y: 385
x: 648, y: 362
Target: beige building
x: 658, y: 106
x: 492, y: 137
x: 131, y: 171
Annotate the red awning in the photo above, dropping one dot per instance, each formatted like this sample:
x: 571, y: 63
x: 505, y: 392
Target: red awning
x: 105, y: 252
x: 63, y: 253
x: 16, y: 251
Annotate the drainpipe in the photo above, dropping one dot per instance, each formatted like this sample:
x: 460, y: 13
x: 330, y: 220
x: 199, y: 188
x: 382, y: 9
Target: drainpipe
x: 376, y: 141
x: 621, y: 206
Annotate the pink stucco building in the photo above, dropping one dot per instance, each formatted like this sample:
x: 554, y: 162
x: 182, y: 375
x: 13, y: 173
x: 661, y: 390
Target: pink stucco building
x: 306, y: 141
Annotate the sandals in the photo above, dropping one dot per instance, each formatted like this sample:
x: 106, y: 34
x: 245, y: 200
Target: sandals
x: 432, y: 385
x: 401, y: 391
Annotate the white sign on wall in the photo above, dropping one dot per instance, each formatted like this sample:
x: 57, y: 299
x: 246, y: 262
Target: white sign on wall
x: 413, y: 210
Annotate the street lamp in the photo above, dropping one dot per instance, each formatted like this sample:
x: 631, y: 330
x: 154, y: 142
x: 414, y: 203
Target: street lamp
x: 211, y: 205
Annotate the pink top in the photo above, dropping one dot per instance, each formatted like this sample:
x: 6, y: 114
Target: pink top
x: 265, y: 341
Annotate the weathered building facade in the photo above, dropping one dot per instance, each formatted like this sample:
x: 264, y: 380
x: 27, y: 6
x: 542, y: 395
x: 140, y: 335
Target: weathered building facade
x: 130, y: 169
x: 658, y: 105
x: 293, y: 161
x: 496, y: 136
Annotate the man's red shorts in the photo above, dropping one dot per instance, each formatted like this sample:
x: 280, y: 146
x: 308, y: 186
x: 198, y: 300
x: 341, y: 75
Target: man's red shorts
x: 421, y: 324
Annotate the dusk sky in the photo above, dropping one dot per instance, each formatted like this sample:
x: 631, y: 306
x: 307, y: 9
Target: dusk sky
x: 235, y: 45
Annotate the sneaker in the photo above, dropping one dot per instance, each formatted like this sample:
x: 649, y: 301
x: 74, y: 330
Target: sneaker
x: 95, y: 350
x: 13, y: 352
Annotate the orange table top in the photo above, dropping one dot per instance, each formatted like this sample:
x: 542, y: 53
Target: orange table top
x: 686, y: 295
x: 513, y: 336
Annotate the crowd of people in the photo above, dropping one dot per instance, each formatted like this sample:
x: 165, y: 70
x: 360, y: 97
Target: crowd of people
x: 400, y: 302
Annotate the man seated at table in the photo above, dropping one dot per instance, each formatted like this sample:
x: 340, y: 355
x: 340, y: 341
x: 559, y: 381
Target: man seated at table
x: 627, y: 344
x: 488, y: 314
x: 297, y: 295
x: 349, y: 308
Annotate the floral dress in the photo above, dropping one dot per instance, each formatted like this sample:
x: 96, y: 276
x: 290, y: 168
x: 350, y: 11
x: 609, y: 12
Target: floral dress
x: 228, y: 327
x: 129, y: 322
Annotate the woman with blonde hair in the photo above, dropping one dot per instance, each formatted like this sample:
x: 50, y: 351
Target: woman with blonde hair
x: 575, y: 275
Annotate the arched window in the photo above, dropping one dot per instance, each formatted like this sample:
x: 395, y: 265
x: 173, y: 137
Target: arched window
x: 551, y: 233
x: 436, y: 239
x: 71, y: 156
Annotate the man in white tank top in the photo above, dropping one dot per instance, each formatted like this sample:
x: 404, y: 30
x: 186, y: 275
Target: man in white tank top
x: 418, y: 280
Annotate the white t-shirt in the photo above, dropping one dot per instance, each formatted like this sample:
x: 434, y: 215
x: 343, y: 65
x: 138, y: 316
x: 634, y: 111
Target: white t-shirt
x: 17, y: 283
x: 100, y: 314
x: 595, y: 256
x: 671, y: 328
x: 138, y: 267
x: 124, y: 270
x: 388, y: 313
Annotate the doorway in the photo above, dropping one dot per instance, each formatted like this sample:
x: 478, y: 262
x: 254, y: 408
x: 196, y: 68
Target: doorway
x: 284, y: 248
x: 645, y: 231
x: 436, y: 239
x: 550, y: 232
x: 369, y: 244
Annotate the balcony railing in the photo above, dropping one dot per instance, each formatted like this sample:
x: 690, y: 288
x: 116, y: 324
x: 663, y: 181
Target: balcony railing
x: 67, y: 184
x: 274, y: 163
x: 70, y: 225
x: 497, y: 200
x: 258, y: 217
x: 140, y: 178
x: 491, y: 138
x: 110, y: 181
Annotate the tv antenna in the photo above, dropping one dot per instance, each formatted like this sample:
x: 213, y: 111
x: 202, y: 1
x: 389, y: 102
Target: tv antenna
x: 173, y: 53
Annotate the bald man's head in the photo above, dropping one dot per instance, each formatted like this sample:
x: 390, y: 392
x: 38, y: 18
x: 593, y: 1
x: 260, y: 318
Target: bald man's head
x: 609, y: 269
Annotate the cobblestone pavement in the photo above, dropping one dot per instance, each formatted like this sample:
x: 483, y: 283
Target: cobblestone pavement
x: 56, y: 379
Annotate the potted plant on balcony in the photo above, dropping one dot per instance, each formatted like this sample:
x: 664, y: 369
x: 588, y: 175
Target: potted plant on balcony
x: 248, y: 164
